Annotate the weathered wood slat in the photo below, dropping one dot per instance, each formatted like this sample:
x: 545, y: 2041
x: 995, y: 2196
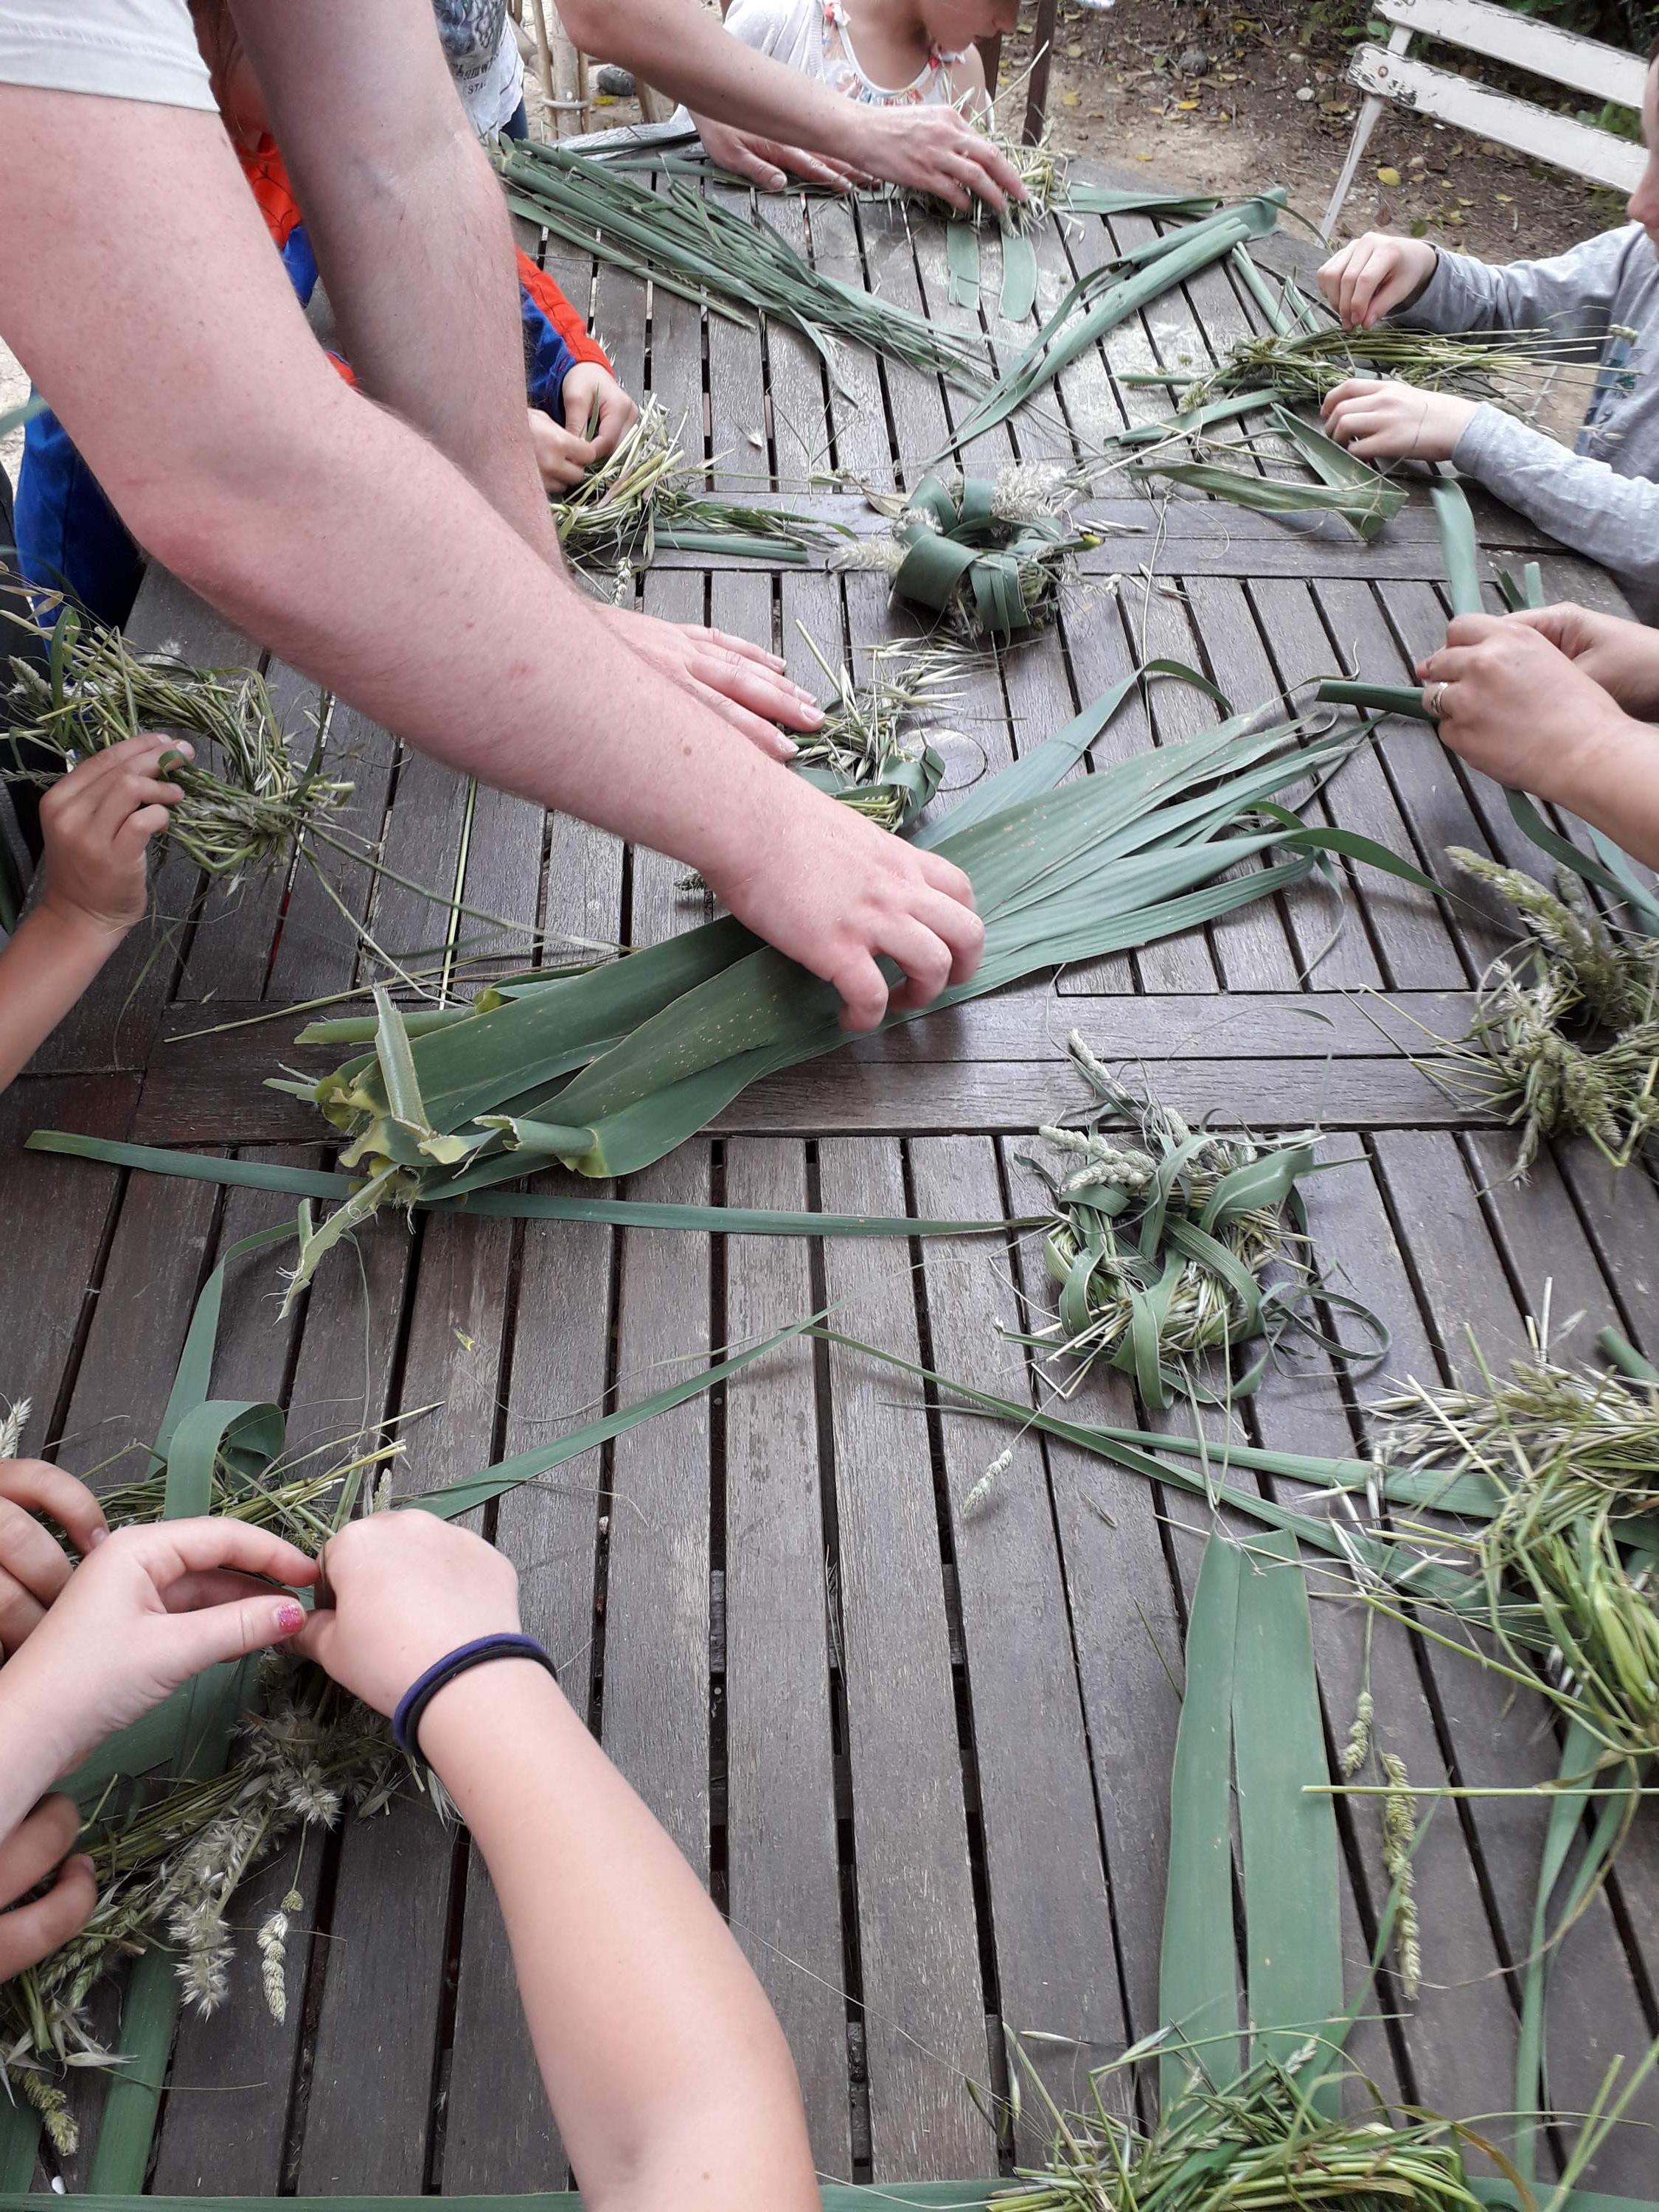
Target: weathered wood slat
x: 782, y: 1681
x: 1056, y: 1963
x: 54, y: 1220
x: 858, y: 390
x: 657, y: 1588
x: 924, y: 2007
x: 896, y: 1097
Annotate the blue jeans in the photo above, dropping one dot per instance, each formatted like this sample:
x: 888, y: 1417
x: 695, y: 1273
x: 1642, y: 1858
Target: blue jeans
x: 516, y: 124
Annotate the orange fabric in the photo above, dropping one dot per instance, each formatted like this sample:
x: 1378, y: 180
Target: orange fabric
x: 268, y: 180
x: 560, y: 312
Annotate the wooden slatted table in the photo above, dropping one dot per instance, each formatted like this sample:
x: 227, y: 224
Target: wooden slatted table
x: 923, y: 1764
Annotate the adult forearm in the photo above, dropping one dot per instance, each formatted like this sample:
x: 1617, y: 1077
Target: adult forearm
x: 44, y: 969
x: 1615, y: 786
x: 412, y: 237
x: 681, y: 49
x: 386, y: 577
x: 667, y: 2070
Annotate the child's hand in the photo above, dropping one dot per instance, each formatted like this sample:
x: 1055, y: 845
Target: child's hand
x: 33, y: 1568
x: 563, y: 457
x: 149, y: 1608
x: 1369, y: 278
x: 96, y: 822
x: 1395, y: 421
x: 30, y: 1933
x: 407, y: 1590
x: 588, y: 387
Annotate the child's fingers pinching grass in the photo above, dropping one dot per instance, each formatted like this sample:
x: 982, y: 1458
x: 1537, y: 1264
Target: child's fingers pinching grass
x: 33, y: 1930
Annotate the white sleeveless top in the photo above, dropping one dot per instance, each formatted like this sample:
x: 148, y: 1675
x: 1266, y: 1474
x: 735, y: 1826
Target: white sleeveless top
x: 813, y: 36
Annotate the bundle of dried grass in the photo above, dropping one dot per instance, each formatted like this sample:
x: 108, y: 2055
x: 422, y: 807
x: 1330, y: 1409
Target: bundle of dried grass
x: 1569, y: 1457
x: 869, y: 752
x: 649, y: 493
x: 247, y: 800
x: 1508, y: 368
x: 1564, y: 1038
x: 170, y: 1858
x: 1264, y: 2141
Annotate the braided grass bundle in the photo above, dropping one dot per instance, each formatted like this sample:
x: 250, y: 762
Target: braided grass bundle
x: 987, y: 554
x: 868, y: 751
x: 169, y: 1854
x: 248, y: 801
x: 1162, y: 1244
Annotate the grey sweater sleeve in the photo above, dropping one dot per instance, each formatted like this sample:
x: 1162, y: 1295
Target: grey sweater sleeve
x: 1613, y: 519
x: 1570, y: 296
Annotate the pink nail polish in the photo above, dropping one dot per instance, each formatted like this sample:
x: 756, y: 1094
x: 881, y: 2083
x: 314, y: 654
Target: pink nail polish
x: 290, y: 1619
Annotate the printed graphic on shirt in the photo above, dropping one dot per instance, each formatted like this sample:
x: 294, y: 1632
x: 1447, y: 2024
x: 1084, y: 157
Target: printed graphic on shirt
x: 1625, y: 363
x: 472, y: 34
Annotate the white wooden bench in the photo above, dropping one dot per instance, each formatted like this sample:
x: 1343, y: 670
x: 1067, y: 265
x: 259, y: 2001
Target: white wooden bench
x: 1500, y: 34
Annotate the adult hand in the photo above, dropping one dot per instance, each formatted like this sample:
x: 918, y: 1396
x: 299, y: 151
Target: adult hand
x: 32, y: 1566
x: 95, y: 821
x: 149, y: 1608
x: 31, y: 1932
x: 1395, y: 421
x: 407, y: 1590
x: 1511, y: 702
x: 596, y: 407
x: 1369, y: 278
x: 768, y: 162
x: 1622, y: 657
x: 829, y: 889
x: 743, y: 684
x: 932, y: 149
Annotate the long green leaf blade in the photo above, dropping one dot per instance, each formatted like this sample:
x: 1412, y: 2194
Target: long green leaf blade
x: 1292, y: 1924
x: 1198, y: 1973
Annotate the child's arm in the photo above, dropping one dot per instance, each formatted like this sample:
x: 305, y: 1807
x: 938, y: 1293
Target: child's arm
x: 667, y: 2071
x: 570, y: 382
x: 96, y: 822
x: 148, y: 1609
x: 1582, y: 501
x: 1425, y: 286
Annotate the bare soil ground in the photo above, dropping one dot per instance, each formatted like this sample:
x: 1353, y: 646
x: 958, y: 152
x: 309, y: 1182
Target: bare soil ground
x: 1231, y: 99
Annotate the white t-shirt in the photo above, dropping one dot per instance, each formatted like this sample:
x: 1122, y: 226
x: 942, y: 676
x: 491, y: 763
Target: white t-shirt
x: 126, y: 49
x: 483, y: 59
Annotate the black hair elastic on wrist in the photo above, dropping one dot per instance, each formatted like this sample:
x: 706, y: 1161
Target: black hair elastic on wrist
x: 406, y: 1721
